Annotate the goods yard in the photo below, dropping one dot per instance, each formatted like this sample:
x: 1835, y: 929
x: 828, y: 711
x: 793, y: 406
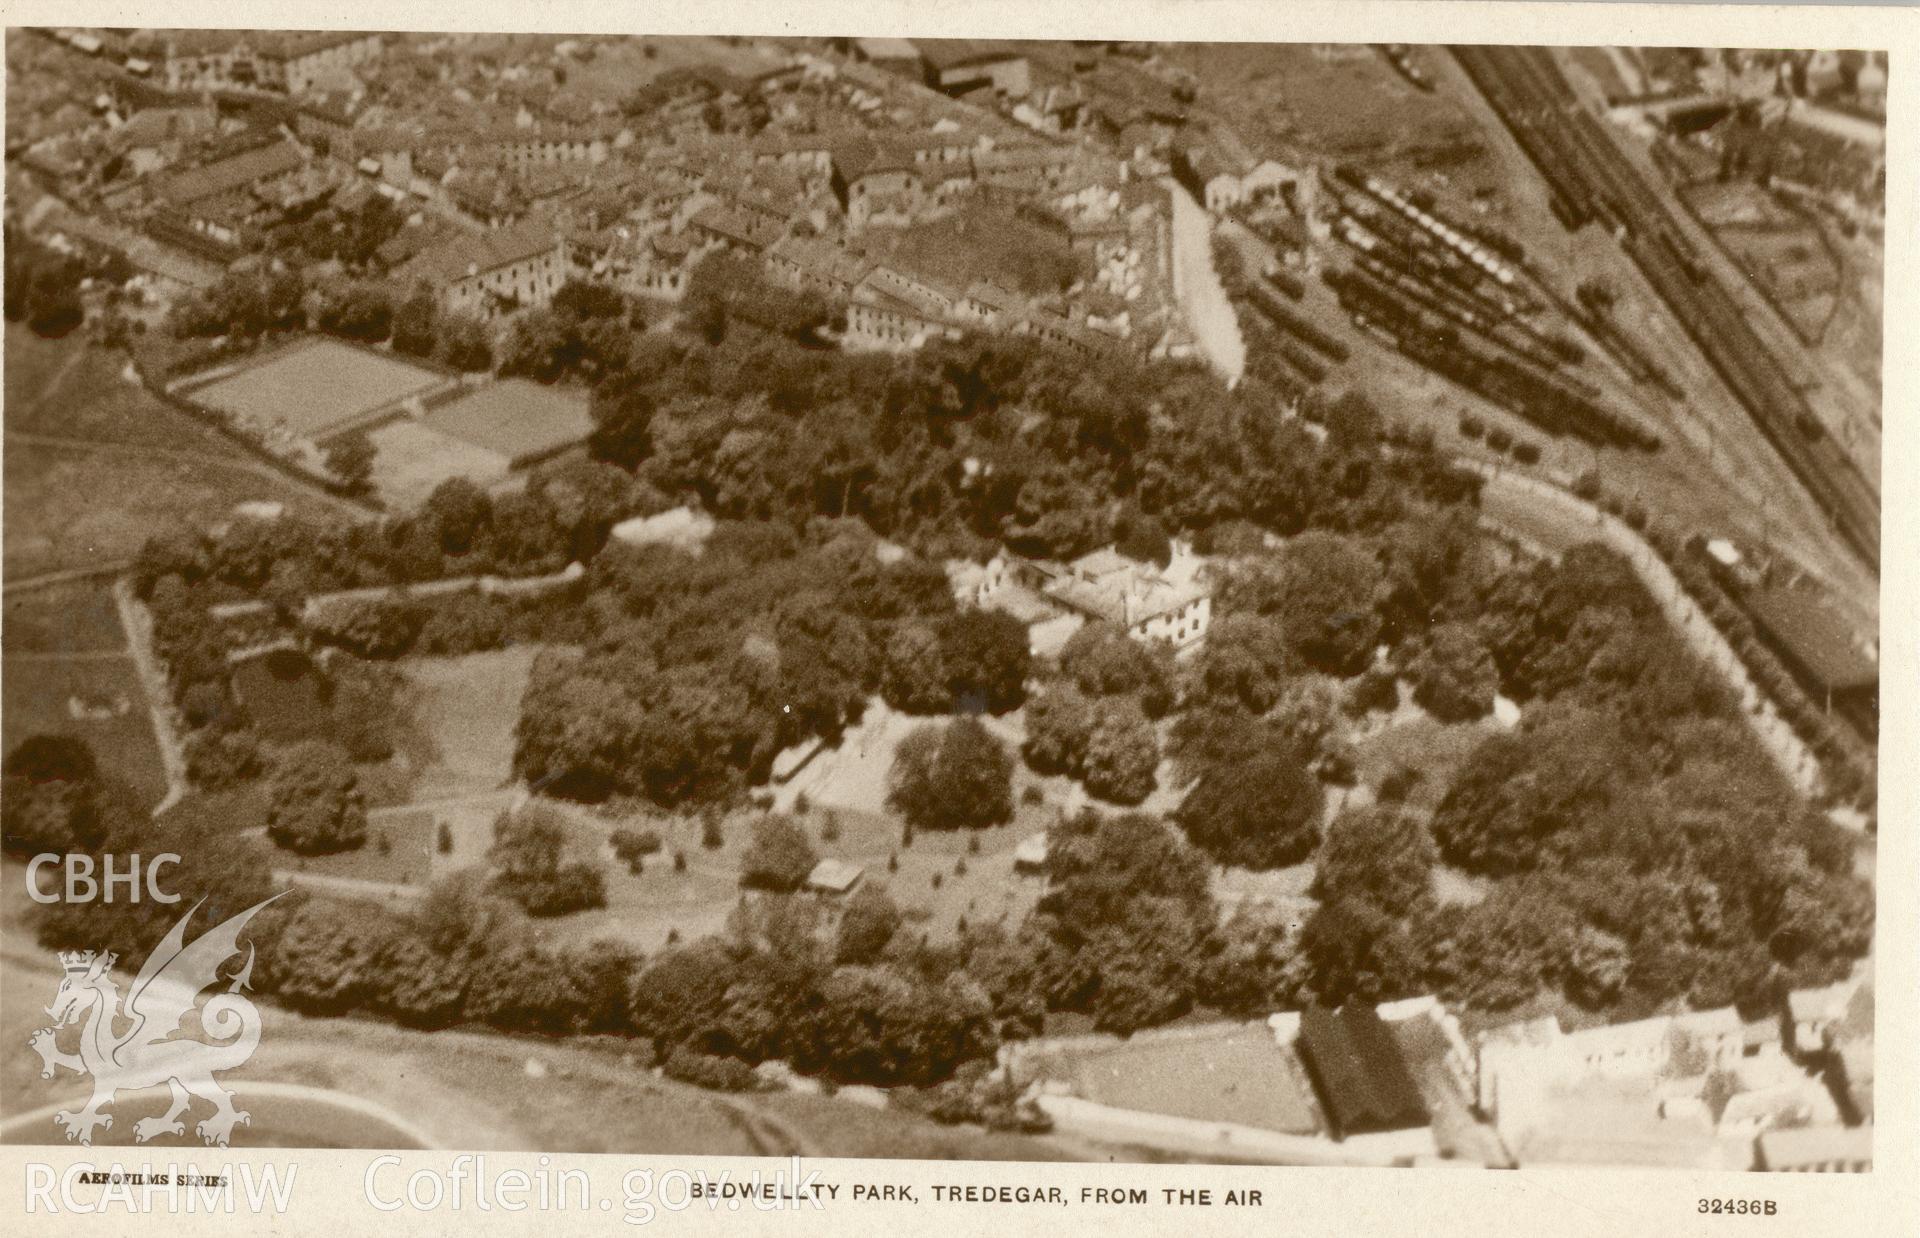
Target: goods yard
x: 1590, y: 180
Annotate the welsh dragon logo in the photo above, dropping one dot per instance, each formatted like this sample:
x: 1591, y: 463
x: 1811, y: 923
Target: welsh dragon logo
x: 160, y: 1043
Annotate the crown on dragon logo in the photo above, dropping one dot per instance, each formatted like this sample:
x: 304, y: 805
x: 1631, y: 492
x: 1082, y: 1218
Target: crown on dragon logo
x: 83, y: 961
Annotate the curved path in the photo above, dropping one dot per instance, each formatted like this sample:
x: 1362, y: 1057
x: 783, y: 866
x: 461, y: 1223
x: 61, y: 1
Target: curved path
x: 295, y: 1114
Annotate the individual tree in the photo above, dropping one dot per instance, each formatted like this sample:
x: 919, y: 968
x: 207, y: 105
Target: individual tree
x: 356, y: 311
x: 1250, y: 967
x: 1521, y: 799
x: 1260, y: 813
x: 524, y: 988
x: 374, y: 627
x: 416, y: 324
x: 528, y: 857
x: 913, y: 671
x: 1099, y: 865
x: 457, y: 511
x: 1454, y: 677
x: 466, y: 343
x: 327, y: 963
x: 217, y: 760
x: 420, y: 986
x: 1246, y: 661
x: 632, y: 847
x: 54, y: 799
x: 585, y: 298
x: 314, y: 802
x: 1209, y: 735
x: 1143, y: 538
x: 985, y: 654
x: 1502, y: 951
x: 1597, y: 967
x: 1122, y: 753
x: 867, y: 925
x: 1353, y: 951
x: 46, y: 758
x: 1128, y: 911
x: 1325, y: 590
x: 953, y: 777
x: 1378, y: 854
x: 778, y: 857
x: 622, y: 423
x: 1060, y: 723
x: 350, y: 458
x: 1104, y: 661
x: 1309, y: 715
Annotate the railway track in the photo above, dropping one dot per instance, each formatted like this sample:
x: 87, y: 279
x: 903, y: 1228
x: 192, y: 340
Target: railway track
x: 1590, y: 179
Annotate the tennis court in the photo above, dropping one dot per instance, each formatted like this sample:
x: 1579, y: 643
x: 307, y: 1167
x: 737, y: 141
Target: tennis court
x: 316, y: 387
x: 520, y: 420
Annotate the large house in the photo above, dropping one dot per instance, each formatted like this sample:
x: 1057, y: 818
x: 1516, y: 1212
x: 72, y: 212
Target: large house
x: 494, y: 272
x: 1171, y: 607
x: 1222, y: 182
x: 958, y: 66
x: 284, y: 60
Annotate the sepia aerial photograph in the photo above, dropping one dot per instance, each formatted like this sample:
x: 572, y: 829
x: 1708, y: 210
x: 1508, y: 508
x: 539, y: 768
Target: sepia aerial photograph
x: 1259, y: 604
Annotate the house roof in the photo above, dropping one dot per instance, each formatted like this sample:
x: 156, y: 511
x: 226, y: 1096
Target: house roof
x: 1544, y: 1030
x: 823, y: 259
x: 834, y: 876
x: 1816, y: 1145
x: 887, y: 49
x: 1363, y: 1080
x: 478, y: 253
x: 957, y: 53
x: 736, y: 223
x: 1828, y: 1002
x: 226, y: 175
x: 1814, y: 636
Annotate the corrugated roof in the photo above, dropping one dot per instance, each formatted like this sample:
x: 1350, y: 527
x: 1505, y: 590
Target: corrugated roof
x: 1363, y: 1080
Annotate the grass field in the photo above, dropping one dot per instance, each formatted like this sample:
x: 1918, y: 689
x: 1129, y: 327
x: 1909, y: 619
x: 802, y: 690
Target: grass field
x: 696, y: 901
x: 97, y: 699
x: 124, y: 466
x: 1415, y: 741
x: 68, y: 618
x: 1239, y: 1076
x: 63, y: 388
x: 462, y: 713
x: 410, y: 460
x: 315, y: 386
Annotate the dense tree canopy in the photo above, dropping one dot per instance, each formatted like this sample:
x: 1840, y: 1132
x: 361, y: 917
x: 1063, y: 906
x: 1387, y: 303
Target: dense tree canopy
x: 314, y: 802
x: 956, y: 776
x: 1262, y: 813
x: 1454, y: 677
x: 1378, y: 854
x: 1104, y: 661
x: 1122, y: 753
